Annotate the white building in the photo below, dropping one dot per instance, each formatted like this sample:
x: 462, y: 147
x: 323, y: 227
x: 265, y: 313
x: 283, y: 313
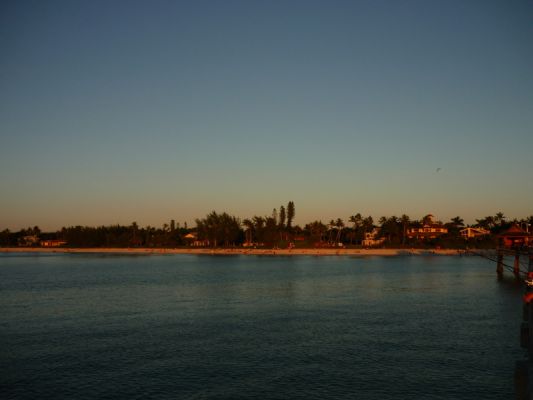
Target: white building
x: 469, y: 233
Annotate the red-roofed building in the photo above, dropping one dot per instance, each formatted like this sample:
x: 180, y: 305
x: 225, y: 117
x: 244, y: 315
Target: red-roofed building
x: 515, y: 237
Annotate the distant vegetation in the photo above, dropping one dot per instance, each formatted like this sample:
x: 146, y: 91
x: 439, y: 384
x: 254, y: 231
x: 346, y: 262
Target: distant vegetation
x: 275, y: 230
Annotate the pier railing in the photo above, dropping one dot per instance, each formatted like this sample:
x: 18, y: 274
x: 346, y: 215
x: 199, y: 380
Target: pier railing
x: 518, y: 268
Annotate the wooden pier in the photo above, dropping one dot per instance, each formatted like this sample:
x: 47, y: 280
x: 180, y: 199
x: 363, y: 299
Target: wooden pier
x: 518, y: 243
x: 501, y: 265
x: 524, y: 368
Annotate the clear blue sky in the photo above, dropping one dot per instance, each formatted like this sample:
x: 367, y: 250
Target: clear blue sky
x: 121, y: 111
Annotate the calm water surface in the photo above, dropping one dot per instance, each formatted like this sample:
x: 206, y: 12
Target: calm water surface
x: 245, y: 327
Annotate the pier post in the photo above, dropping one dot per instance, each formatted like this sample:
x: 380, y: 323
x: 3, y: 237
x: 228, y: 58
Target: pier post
x: 499, y: 264
x: 516, y: 265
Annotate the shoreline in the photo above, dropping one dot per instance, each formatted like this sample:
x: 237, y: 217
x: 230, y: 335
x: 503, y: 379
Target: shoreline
x: 241, y: 251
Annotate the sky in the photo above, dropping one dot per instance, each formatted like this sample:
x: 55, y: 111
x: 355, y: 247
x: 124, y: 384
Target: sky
x: 120, y: 111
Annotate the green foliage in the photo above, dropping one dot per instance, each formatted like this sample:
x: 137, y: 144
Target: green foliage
x: 219, y: 229
x: 6, y: 238
x: 316, y: 231
x: 275, y: 230
x: 119, y: 236
x: 454, y: 227
x: 357, y: 232
x: 495, y: 223
x: 282, y: 216
x: 291, y: 212
x: 391, y: 229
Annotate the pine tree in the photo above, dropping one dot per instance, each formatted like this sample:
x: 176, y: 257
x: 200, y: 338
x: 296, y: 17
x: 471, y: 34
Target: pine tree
x: 290, y: 214
x: 282, y: 217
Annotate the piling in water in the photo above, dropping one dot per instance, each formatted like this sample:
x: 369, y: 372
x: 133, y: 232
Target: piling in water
x: 516, y: 265
x: 499, y: 264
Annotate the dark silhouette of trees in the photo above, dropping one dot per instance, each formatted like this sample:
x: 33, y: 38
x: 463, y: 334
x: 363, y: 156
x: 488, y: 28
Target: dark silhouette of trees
x: 249, y: 230
x: 454, y: 226
x: 485, y: 223
x: 339, y: 224
x: 391, y: 229
x: 281, y: 222
x: 316, y: 231
x: 404, y: 221
x: 282, y: 216
x: 270, y: 235
x: 331, y: 228
x: 119, y: 236
x: 427, y: 220
x: 458, y: 222
x: 357, y: 231
x: 494, y: 223
x: 219, y: 229
x: 259, y: 228
x: 6, y: 238
x: 291, y: 212
x: 222, y: 229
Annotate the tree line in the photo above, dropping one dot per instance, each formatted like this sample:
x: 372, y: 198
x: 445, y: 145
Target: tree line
x: 274, y: 230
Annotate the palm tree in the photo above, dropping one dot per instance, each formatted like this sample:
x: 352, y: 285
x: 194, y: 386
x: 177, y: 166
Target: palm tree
x: 458, y: 221
x: 271, y: 230
x: 404, y: 220
x: 331, y: 225
x: 499, y: 218
x: 339, y: 224
x: 368, y: 224
x: 357, y: 221
x: 259, y: 227
x: 487, y: 222
x: 249, y: 230
x: 219, y: 228
x: 316, y: 230
x: 389, y: 227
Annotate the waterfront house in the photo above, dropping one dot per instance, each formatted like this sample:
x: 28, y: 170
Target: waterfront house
x: 28, y: 241
x: 193, y: 241
x: 372, y: 239
x: 430, y: 229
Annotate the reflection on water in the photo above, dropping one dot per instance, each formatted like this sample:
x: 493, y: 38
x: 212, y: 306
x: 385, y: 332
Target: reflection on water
x: 188, y: 326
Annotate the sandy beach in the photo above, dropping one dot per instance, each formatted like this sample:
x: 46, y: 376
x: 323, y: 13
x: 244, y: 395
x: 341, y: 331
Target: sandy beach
x: 241, y: 251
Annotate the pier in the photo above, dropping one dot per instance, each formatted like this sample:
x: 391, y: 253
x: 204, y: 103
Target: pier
x: 523, y: 374
x: 524, y: 368
x: 517, y: 268
x: 516, y: 244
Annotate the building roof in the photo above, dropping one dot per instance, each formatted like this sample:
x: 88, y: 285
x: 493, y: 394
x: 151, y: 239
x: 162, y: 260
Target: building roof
x: 515, y: 231
x: 470, y: 228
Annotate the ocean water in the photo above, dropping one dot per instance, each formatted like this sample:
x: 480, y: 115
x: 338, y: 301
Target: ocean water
x: 250, y: 327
